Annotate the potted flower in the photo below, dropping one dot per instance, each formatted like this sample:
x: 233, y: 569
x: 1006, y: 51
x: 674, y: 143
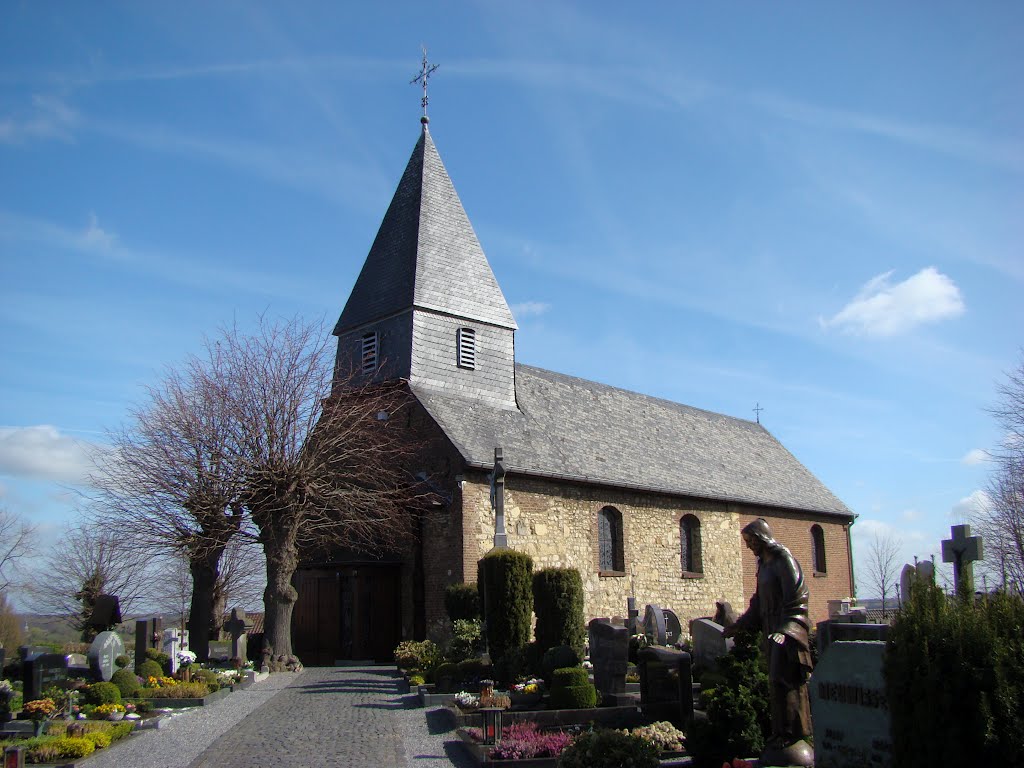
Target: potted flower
x: 186, y: 659
x: 466, y: 700
x: 110, y: 711
x: 39, y: 712
x: 527, y: 694
x: 6, y: 694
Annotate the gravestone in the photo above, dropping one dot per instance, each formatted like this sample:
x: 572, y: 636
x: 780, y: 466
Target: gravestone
x: 104, y: 649
x: 632, y: 616
x: 850, y: 708
x: 148, y: 633
x: 673, y: 628
x: 654, y: 625
x: 843, y: 630
x: 78, y: 666
x: 708, y: 642
x: 609, y: 653
x: 724, y: 614
x: 666, y: 684
x: 236, y: 627
x: 175, y: 640
x: 962, y: 550
x: 41, y: 670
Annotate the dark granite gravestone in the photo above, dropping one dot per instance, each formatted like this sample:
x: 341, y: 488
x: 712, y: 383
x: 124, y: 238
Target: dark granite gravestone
x: 236, y: 627
x: 147, y: 635
x: 708, y: 642
x: 850, y: 708
x: 41, y: 670
x: 609, y: 653
x: 673, y: 629
x: 666, y: 684
x: 104, y: 649
x: 654, y: 625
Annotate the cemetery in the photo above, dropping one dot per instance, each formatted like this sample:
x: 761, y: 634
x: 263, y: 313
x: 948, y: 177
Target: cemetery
x: 57, y: 706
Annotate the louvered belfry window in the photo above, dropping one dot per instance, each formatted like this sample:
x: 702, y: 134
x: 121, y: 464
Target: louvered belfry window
x: 369, y: 352
x: 689, y: 544
x: 609, y: 540
x: 466, y: 343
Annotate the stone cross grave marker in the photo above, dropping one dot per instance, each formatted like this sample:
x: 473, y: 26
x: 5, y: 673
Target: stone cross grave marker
x: 850, y: 708
x: 104, y: 649
x: 41, y: 670
x: 175, y: 640
x: 962, y: 550
x: 236, y: 627
x: 654, y: 624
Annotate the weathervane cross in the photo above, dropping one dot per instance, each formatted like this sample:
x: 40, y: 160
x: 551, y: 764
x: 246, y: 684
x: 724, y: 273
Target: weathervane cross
x: 426, y: 70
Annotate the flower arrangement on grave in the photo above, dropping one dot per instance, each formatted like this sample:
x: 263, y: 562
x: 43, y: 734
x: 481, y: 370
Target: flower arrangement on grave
x: 533, y: 685
x: 159, y: 682
x: 186, y: 658
x: 662, y: 734
x: 40, y: 709
x: 466, y: 700
x: 109, y: 711
x: 525, y: 740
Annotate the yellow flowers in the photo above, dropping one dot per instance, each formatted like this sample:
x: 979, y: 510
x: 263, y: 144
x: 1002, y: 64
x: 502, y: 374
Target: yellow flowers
x: 103, y: 710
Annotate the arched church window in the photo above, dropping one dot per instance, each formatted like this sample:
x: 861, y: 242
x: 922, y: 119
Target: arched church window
x: 818, y: 548
x: 689, y: 545
x: 368, y: 352
x: 609, y: 540
x: 466, y: 348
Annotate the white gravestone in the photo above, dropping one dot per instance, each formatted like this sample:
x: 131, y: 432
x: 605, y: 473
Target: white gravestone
x: 174, y: 641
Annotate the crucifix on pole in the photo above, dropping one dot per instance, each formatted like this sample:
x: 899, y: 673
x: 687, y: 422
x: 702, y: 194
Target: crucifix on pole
x: 962, y: 550
x: 498, y: 500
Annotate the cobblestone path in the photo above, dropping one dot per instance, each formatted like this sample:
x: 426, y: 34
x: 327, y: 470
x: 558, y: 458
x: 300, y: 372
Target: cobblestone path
x: 330, y: 716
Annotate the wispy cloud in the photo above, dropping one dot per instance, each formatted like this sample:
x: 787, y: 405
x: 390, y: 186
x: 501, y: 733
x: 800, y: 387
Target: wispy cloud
x: 530, y: 309
x: 882, y: 308
x: 974, y: 457
x: 47, y: 118
x: 969, y: 506
x: 44, y: 452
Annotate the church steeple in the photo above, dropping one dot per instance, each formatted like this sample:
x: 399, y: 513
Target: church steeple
x: 425, y: 280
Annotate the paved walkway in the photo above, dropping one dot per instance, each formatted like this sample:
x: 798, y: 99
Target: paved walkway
x: 323, y: 717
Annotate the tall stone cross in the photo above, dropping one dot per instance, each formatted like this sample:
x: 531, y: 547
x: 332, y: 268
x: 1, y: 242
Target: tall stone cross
x: 498, y: 500
x: 236, y: 626
x: 962, y: 550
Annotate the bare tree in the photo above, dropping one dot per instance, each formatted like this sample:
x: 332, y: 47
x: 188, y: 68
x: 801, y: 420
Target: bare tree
x: 242, y: 579
x: 881, y: 568
x: 171, y: 485
x: 89, y: 560
x: 17, y: 540
x: 322, y: 468
x: 1001, y: 521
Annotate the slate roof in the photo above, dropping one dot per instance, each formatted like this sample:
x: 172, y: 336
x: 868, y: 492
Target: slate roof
x: 573, y: 429
x: 426, y: 254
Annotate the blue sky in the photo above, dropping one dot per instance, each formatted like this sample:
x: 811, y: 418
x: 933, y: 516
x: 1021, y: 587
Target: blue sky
x: 818, y: 209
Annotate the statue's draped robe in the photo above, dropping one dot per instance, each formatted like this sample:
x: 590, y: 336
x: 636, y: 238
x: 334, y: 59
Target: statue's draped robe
x: 780, y: 605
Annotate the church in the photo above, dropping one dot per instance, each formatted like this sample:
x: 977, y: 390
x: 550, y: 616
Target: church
x: 645, y: 497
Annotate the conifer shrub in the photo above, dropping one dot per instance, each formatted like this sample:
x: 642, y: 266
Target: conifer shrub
x: 965, y: 659
x: 738, y: 715
x: 462, y: 601
x: 504, y: 581
x: 101, y: 693
x: 150, y: 668
x: 127, y: 683
x: 569, y: 676
x: 609, y: 749
x: 558, y: 604
x: 559, y: 657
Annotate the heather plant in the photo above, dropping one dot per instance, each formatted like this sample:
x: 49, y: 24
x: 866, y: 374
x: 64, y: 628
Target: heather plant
x: 525, y: 740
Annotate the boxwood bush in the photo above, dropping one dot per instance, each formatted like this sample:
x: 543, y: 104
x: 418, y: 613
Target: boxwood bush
x: 558, y: 604
x: 150, y: 668
x: 127, y: 683
x: 101, y: 693
x: 504, y: 580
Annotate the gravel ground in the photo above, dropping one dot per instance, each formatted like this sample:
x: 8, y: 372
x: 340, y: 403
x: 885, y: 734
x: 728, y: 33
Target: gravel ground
x: 329, y: 717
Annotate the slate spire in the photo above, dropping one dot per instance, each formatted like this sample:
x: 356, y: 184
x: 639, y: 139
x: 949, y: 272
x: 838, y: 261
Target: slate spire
x: 426, y: 255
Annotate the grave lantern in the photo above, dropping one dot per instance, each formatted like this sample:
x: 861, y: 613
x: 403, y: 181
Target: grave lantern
x: 491, y: 731
x: 14, y: 757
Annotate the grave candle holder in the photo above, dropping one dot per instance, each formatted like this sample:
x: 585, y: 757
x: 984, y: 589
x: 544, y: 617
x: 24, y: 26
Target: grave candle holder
x: 491, y: 730
x: 14, y: 757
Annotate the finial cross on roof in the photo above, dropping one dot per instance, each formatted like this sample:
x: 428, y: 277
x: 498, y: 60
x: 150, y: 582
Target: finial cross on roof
x: 426, y: 70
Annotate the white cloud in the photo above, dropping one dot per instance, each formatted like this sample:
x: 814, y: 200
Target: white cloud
x: 866, y: 529
x: 96, y: 237
x: 962, y: 511
x: 44, y: 452
x: 528, y: 308
x: 882, y: 308
x: 910, y: 515
x: 49, y: 118
x: 974, y: 457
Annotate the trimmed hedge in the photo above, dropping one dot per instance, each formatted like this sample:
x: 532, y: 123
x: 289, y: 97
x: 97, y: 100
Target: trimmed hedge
x: 462, y: 601
x: 504, y: 580
x: 102, y: 693
x: 127, y: 683
x: 573, y: 697
x: 559, y: 657
x: 558, y: 604
x: 569, y: 676
x: 150, y: 668
x: 965, y: 658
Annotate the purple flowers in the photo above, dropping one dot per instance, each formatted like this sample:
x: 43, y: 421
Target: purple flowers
x: 524, y: 740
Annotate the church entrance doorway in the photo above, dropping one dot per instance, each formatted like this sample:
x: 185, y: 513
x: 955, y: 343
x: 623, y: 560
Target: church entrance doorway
x: 350, y: 612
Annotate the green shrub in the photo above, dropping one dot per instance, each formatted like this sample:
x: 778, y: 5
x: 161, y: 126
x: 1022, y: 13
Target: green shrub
x: 71, y: 748
x: 966, y: 660
x: 609, y: 749
x: 208, y: 676
x: 462, y: 601
x: 150, y: 668
x: 445, y: 674
x: 465, y: 640
x: 120, y: 730
x: 504, y: 580
x: 472, y: 670
x: 101, y: 693
x: 569, y: 676
x: 558, y: 604
x: 160, y: 658
x: 559, y: 657
x: 573, y: 697
x: 413, y: 654
x: 179, y: 691
x: 100, y: 739
x: 122, y: 661
x: 416, y: 680
x: 127, y: 683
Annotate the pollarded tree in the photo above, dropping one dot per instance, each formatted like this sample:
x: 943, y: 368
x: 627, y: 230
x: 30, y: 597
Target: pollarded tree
x: 323, y: 465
